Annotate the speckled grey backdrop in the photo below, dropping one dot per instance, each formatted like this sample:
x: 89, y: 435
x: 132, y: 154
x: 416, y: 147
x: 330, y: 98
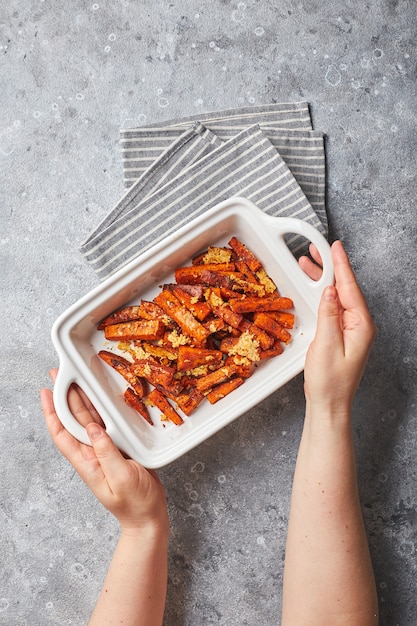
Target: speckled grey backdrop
x: 72, y: 75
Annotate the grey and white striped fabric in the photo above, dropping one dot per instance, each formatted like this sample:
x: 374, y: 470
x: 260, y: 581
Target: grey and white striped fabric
x: 177, y: 170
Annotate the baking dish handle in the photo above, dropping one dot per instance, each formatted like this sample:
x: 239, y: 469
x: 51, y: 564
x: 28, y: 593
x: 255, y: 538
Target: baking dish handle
x: 64, y: 380
x: 286, y: 226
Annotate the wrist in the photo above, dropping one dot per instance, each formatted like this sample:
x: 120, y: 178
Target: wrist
x: 155, y: 530
x: 328, y: 412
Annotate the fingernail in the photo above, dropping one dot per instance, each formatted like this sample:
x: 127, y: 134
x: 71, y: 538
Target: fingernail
x: 94, y: 431
x: 330, y: 294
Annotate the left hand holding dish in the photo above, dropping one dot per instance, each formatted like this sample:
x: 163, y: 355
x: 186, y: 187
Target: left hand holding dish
x: 133, y: 494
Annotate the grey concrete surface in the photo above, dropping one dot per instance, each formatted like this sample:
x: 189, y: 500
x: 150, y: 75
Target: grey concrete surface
x: 72, y: 75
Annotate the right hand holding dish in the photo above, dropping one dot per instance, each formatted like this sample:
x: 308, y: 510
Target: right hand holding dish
x: 345, y: 332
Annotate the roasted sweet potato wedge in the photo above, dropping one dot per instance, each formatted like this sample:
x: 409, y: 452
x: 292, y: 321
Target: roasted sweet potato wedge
x: 133, y: 400
x: 156, y: 398
x: 271, y: 326
x: 189, y: 400
x: 222, y: 310
x: 163, y: 354
x: 193, y: 274
x: 154, y: 372
x: 190, y: 358
x: 265, y: 340
x: 214, y: 325
x: 224, y: 389
x: 275, y: 350
x: 195, y: 291
x: 249, y: 305
x: 244, y: 269
x: 152, y: 311
x: 215, y: 378
x: 245, y: 254
x: 149, y: 330
x: 184, y: 318
x: 284, y: 318
x: 200, y: 310
x: 244, y: 368
x: 124, y: 368
x: 127, y: 314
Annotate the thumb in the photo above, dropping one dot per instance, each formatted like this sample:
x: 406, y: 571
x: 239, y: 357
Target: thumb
x: 108, y: 455
x: 328, y: 323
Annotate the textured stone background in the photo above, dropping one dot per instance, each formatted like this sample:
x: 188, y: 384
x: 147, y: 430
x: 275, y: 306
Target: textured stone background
x: 72, y: 75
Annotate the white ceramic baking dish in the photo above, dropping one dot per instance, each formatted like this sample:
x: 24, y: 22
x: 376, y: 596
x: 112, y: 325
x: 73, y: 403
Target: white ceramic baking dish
x: 77, y: 340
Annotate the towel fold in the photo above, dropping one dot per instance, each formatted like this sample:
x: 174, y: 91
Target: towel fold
x: 177, y: 170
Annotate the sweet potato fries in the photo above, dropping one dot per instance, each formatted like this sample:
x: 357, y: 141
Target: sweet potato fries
x: 201, y: 336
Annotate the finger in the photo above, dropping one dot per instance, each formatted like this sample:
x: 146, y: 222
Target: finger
x: 350, y: 294
x: 329, y: 330
x: 77, y: 405
x: 91, y: 408
x: 69, y: 447
x: 315, y: 254
x: 54, y: 425
x: 312, y: 270
x: 115, y: 467
x: 82, y: 408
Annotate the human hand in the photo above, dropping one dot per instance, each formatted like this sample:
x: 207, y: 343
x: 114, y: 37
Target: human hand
x: 345, y: 332
x: 133, y: 494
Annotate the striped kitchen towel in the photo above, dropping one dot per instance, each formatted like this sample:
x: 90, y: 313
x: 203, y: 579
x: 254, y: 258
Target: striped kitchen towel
x: 176, y: 170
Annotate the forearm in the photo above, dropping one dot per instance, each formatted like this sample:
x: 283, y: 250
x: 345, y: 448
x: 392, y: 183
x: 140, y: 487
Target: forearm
x: 328, y: 577
x: 134, y: 590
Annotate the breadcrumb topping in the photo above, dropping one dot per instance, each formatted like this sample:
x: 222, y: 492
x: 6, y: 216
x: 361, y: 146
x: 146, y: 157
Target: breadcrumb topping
x: 132, y: 352
x: 202, y: 370
x: 215, y: 300
x: 246, y: 346
x: 242, y: 360
x: 217, y: 255
x: 178, y: 340
x: 267, y: 282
